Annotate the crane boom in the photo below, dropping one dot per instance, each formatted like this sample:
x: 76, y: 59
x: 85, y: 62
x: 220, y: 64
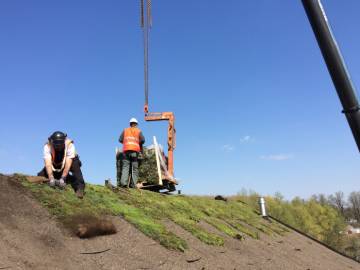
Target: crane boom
x: 335, y: 64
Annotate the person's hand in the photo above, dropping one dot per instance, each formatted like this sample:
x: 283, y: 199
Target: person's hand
x: 52, y: 182
x: 62, y: 183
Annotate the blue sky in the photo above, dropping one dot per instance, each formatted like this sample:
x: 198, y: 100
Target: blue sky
x: 254, y: 104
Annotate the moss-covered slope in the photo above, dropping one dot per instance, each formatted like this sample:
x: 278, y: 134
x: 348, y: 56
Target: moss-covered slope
x: 149, y: 212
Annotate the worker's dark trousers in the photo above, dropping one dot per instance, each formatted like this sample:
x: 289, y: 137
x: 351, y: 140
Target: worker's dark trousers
x: 130, y: 167
x: 75, y: 177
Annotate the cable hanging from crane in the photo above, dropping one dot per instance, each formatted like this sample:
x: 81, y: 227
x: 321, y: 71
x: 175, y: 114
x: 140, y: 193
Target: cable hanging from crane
x: 146, y: 24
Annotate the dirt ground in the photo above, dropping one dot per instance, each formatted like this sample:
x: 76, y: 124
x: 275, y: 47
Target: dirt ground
x: 31, y: 239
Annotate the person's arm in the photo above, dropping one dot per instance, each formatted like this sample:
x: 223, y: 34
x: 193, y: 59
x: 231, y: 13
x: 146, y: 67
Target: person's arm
x: 121, y: 139
x: 48, y: 167
x: 141, y: 142
x: 70, y: 155
x: 48, y: 162
x: 68, y: 163
x: 142, y: 138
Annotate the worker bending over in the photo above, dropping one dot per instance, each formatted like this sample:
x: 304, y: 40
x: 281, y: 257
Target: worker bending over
x: 62, y: 164
x: 132, y: 140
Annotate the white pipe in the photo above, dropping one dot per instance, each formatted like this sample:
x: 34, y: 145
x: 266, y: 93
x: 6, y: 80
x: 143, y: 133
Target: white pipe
x: 262, y: 207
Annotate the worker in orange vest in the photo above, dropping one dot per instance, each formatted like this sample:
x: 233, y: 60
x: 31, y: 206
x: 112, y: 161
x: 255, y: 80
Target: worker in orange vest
x: 132, y: 140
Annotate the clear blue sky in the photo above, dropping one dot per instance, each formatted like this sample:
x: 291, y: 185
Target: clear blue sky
x: 254, y: 104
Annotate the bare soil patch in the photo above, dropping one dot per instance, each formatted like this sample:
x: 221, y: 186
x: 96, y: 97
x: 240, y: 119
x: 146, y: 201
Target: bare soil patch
x: 88, y: 226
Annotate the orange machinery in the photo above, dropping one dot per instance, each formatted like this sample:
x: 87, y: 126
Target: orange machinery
x: 146, y: 23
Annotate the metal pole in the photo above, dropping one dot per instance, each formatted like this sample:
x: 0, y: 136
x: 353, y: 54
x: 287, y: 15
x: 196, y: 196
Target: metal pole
x: 335, y: 64
x: 262, y: 207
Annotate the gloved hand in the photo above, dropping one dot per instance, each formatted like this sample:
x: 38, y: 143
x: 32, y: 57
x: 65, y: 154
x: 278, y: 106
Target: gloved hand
x: 62, y: 183
x: 52, y: 182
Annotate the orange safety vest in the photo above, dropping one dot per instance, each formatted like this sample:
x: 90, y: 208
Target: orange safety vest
x: 131, y: 141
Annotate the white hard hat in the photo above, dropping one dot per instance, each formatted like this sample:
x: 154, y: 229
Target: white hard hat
x: 133, y: 120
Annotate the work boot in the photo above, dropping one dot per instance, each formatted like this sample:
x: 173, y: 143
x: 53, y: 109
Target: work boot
x: 80, y: 193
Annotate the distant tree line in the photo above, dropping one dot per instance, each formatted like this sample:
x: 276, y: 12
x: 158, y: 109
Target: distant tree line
x: 323, y: 217
x: 349, y: 209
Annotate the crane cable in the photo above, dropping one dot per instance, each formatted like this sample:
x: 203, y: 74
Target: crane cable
x: 146, y: 24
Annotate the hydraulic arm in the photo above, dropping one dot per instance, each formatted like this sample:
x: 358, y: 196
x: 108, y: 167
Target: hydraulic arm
x: 146, y: 23
x: 335, y: 64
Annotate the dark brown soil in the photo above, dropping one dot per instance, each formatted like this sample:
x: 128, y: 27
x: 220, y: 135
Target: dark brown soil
x: 87, y: 226
x: 31, y: 239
